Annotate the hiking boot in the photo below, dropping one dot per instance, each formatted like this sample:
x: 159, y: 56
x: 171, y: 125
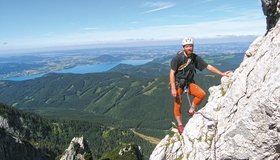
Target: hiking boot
x: 180, y: 129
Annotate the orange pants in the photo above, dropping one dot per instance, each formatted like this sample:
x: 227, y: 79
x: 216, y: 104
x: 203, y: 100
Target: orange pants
x: 193, y: 90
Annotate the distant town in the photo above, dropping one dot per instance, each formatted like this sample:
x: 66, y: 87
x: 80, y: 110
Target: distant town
x: 44, y: 62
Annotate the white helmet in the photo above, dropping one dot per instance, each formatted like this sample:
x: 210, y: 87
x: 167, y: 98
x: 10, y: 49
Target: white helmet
x: 187, y: 40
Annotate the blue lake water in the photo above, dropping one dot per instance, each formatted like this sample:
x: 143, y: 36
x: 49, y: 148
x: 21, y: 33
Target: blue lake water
x: 84, y: 69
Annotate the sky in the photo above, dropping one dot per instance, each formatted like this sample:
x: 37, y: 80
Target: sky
x: 35, y: 24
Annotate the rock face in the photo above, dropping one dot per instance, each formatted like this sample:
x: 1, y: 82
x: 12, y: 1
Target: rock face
x: 15, y: 133
x: 12, y: 148
x: 271, y: 8
x: 77, y: 150
x: 242, y: 117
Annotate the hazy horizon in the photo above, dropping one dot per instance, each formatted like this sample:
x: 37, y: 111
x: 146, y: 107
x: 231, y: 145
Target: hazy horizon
x: 139, y: 43
x: 36, y: 25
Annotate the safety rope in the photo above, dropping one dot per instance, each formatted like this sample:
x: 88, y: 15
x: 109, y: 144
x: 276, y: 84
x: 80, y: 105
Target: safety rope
x: 187, y: 92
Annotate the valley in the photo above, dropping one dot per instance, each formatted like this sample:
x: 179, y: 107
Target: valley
x: 127, y: 103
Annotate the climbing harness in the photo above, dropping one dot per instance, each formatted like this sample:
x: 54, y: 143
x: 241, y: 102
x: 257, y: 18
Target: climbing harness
x: 186, y: 70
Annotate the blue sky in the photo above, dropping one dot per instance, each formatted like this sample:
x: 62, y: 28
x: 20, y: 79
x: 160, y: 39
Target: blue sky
x: 31, y: 24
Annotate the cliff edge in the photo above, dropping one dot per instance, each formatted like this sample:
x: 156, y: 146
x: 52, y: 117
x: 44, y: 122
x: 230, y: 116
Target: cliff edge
x: 242, y: 117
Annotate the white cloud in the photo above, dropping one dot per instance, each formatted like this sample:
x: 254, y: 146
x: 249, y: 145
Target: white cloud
x: 234, y: 26
x: 90, y: 28
x: 157, y: 6
x: 254, y: 25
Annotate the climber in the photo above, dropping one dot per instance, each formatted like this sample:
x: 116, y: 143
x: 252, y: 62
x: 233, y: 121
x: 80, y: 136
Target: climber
x: 183, y: 69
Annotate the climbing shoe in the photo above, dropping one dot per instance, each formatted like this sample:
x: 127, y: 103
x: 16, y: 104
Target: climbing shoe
x: 180, y: 129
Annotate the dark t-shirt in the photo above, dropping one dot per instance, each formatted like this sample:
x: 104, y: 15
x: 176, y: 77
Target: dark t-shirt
x: 198, y: 62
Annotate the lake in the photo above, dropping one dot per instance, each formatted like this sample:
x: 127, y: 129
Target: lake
x: 84, y: 69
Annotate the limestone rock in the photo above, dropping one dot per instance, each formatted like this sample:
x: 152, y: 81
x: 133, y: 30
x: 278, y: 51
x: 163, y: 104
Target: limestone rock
x: 77, y: 150
x: 242, y: 117
x: 271, y: 8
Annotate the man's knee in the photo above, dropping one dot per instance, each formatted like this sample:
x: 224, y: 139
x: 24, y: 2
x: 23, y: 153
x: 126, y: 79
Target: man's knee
x: 199, y: 98
x: 202, y: 95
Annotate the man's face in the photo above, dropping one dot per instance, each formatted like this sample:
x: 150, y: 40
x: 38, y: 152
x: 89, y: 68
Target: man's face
x: 188, y: 48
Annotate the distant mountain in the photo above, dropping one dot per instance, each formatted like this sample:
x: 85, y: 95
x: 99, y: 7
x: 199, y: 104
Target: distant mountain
x: 24, y: 59
x: 108, y: 58
x: 105, y: 96
x: 6, y: 68
x: 122, y: 67
x: 161, y: 66
x: 148, y: 70
x: 131, y: 96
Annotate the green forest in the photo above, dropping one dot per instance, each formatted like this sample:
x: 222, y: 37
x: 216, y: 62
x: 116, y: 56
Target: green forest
x: 47, y: 112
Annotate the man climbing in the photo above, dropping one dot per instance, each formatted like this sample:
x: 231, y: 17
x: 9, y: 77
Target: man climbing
x: 182, y: 72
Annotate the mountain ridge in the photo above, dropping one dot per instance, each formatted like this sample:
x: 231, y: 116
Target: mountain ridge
x: 35, y: 137
x: 113, y: 94
x: 241, y: 119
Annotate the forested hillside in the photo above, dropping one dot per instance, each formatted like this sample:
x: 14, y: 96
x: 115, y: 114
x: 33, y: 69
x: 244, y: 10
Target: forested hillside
x: 107, y: 96
x: 127, y: 96
x: 47, y: 139
x: 102, y: 107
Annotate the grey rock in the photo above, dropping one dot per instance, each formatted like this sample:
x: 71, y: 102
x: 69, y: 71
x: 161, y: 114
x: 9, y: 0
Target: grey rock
x: 77, y: 150
x: 242, y: 117
x: 271, y: 8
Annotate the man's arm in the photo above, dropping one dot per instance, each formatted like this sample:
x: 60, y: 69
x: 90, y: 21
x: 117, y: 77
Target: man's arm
x: 172, y: 83
x: 218, y: 72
